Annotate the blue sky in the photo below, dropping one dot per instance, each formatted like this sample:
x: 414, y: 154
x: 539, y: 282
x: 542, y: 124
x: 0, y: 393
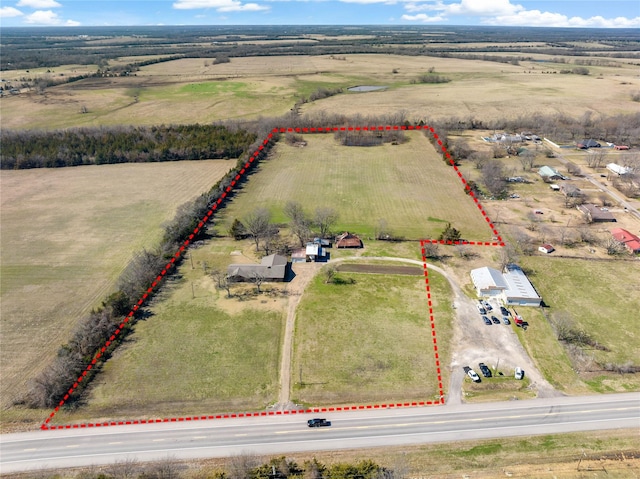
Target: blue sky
x: 550, y: 13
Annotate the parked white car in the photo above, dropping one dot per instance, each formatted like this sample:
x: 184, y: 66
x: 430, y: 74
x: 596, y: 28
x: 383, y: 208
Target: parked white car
x: 519, y: 374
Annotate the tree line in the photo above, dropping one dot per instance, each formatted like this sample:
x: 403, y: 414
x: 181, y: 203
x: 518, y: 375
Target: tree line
x: 123, y: 144
x: 93, y: 330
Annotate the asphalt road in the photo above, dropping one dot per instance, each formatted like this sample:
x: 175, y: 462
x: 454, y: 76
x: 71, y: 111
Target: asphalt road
x: 289, y: 433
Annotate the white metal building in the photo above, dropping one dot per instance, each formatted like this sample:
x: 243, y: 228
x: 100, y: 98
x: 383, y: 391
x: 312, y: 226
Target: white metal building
x: 512, y: 286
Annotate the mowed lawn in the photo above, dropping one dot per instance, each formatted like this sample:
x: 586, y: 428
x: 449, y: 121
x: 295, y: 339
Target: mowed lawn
x: 602, y: 299
x: 66, y: 236
x: 407, y: 185
x: 369, y: 342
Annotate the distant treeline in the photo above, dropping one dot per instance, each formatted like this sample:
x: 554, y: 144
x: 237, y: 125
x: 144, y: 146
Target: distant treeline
x: 127, y: 144
x: 50, y: 47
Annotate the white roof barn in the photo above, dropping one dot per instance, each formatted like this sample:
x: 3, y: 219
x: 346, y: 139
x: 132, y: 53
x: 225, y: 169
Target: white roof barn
x: 512, y: 286
x: 617, y: 169
x: 488, y: 281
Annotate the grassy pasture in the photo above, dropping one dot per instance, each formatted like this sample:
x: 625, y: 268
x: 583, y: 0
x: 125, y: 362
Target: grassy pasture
x: 408, y: 185
x: 589, y: 291
x: 66, y: 235
x: 369, y: 341
x: 273, y: 84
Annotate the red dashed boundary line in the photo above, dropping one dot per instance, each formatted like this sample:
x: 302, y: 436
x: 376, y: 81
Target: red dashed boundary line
x: 46, y: 425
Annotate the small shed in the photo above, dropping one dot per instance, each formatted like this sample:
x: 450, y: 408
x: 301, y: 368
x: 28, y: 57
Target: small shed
x: 299, y: 255
x: 546, y: 248
x: 315, y: 253
x: 348, y: 240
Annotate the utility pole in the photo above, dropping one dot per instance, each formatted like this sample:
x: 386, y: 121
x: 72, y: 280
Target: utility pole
x: 497, y: 364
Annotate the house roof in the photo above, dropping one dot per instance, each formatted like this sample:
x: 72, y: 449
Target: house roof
x: 617, y: 169
x: 273, y: 266
x: 596, y: 213
x: 548, y: 247
x: 348, y: 240
x: 313, y: 249
x: 548, y: 172
x: 488, y: 278
x: 630, y: 240
x: 519, y: 285
x: 588, y: 143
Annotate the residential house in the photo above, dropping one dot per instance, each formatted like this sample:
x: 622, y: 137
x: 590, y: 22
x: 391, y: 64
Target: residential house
x: 271, y: 268
x: 549, y: 173
x: 629, y: 240
x: 594, y: 214
x: 586, y: 144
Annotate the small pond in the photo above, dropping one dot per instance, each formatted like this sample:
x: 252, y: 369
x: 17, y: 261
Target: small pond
x: 366, y: 88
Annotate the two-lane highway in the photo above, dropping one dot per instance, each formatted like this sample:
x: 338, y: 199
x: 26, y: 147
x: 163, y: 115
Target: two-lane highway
x: 289, y: 433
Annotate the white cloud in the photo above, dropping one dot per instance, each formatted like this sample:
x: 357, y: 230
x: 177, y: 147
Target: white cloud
x: 536, y: 18
x: 38, y: 3
x: 482, y: 7
x: 8, y: 12
x: 422, y: 17
x: 219, y: 5
x: 47, y: 17
x: 503, y: 12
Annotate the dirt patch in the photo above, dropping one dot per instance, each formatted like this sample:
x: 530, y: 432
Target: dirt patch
x: 381, y: 269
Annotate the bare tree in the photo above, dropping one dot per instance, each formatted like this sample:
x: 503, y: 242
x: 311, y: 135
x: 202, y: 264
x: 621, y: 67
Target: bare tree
x: 464, y: 251
x: 300, y: 223
x: 527, y: 159
x: 431, y: 250
x: 574, y: 169
x: 257, y: 278
x: 493, y: 178
x: 329, y: 274
x: 382, y: 230
x: 596, y: 157
x: 241, y: 466
x: 508, y: 255
x: 128, y: 468
x: 613, y: 247
x: 257, y: 224
x: 324, y: 219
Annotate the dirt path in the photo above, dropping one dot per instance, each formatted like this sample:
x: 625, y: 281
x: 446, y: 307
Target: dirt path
x: 304, y: 274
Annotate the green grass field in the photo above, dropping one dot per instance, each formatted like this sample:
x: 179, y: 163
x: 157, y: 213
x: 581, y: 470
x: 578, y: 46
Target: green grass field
x: 589, y: 292
x: 407, y: 185
x: 66, y: 236
x: 190, y: 359
x: 369, y: 341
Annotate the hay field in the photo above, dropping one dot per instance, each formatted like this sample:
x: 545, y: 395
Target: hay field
x: 66, y: 236
x: 369, y: 341
x: 408, y: 185
x: 270, y: 86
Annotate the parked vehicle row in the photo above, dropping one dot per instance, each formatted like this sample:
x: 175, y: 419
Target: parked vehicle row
x: 486, y: 372
x: 484, y: 307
